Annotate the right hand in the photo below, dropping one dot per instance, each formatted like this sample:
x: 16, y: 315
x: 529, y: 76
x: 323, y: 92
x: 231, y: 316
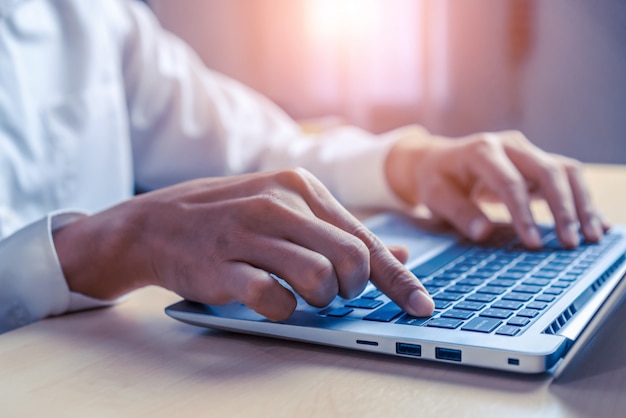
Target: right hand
x: 215, y: 240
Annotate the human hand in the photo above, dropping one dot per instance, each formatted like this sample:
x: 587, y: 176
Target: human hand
x: 450, y: 177
x: 215, y: 240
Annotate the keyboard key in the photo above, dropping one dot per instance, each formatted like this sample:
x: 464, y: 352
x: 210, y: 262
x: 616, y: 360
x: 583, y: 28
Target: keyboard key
x: 528, y: 313
x: 508, y: 304
x: 537, y: 305
x: 569, y: 278
x: 560, y: 285
x: 480, y: 297
x: 372, y: 294
x: 446, y: 278
x: 508, y: 330
x: 480, y: 275
x: 442, y: 304
x: 544, y: 298
x: 496, y: 313
x: 553, y: 291
x: 502, y: 282
x: 407, y: 319
x: 385, y: 314
x: 448, y: 296
x: 447, y: 323
x: 457, y: 314
x: 460, y: 289
x: 492, y: 290
x: 482, y: 324
x: 553, y: 267
x: 471, y: 282
x: 432, y: 290
x: 525, y: 265
x: 520, y: 268
x: 338, y: 312
x: 436, y: 282
x: 527, y: 289
x: 364, y: 303
x: 518, y: 321
x: 511, y: 276
x: 545, y: 274
x: 470, y: 306
x: 536, y: 282
x: 520, y: 297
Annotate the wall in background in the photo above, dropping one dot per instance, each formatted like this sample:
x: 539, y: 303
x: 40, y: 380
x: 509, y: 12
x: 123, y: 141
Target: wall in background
x: 555, y: 70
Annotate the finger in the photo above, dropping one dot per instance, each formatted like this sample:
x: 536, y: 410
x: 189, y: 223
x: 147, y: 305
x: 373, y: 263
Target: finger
x: 309, y: 273
x: 318, y: 222
x: 494, y: 167
x: 400, y: 252
x: 346, y: 258
x: 448, y: 202
x: 386, y: 272
x: 260, y: 292
x: 403, y: 288
x: 591, y: 222
x: 550, y: 175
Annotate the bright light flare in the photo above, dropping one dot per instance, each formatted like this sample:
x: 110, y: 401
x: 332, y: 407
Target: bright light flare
x: 336, y: 20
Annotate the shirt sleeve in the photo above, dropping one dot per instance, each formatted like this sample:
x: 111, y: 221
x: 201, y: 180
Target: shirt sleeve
x: 188, y: 121
x: 32, y: 285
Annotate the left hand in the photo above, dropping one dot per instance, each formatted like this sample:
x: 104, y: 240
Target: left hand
x: 450, y: 177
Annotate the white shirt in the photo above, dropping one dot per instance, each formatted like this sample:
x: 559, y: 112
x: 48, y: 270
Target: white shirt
x: 96, y: 97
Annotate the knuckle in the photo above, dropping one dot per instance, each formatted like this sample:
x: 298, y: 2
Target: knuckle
x: 484, y: 144
x: 296, y: 178
x: 552, y: 170
x: 354, y: 255
x: 366, y: 236
x: 516, y: 136
x: 321, y: 286
x: 571, y: 165
x: 272, y: 201
x: 321, y: 272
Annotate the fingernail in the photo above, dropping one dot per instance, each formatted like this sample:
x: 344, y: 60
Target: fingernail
x: 477, y: 228
x: 596, y: 227
x: 534, y: 238
x: 421, y: 303
x: 571, y: 233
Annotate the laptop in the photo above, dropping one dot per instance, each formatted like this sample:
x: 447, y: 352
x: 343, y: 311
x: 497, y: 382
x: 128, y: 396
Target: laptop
x: 497, y: 305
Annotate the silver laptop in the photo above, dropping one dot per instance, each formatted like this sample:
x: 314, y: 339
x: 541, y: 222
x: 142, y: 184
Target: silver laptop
x: 498, y: 305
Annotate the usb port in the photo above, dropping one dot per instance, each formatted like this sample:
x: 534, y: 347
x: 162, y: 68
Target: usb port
x: 447, y: 354
x: 409, y: 349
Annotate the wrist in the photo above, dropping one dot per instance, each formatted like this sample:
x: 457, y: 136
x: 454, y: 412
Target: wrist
x: 95, y: 254
x: 404, y: 160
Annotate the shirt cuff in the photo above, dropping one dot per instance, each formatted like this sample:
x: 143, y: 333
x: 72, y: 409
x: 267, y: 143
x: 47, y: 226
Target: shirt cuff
x: 32, y: 284
x: 360, y: 179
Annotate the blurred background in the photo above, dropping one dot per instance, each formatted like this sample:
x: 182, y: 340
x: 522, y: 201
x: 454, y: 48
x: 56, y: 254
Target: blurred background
x: 554, y: 69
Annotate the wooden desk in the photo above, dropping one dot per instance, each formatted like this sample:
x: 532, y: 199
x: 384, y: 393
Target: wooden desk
x: 132, y: 360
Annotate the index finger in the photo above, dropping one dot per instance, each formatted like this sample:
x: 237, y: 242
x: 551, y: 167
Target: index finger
x: 386, y: 272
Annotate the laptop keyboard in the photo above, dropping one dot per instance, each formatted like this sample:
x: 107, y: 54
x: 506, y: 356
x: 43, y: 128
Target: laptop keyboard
x: 497, y: 288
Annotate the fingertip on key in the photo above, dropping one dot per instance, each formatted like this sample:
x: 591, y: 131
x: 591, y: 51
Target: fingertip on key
x: 421, y: 303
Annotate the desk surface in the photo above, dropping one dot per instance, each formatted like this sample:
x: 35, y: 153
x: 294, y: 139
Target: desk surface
x: 132, y: 360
